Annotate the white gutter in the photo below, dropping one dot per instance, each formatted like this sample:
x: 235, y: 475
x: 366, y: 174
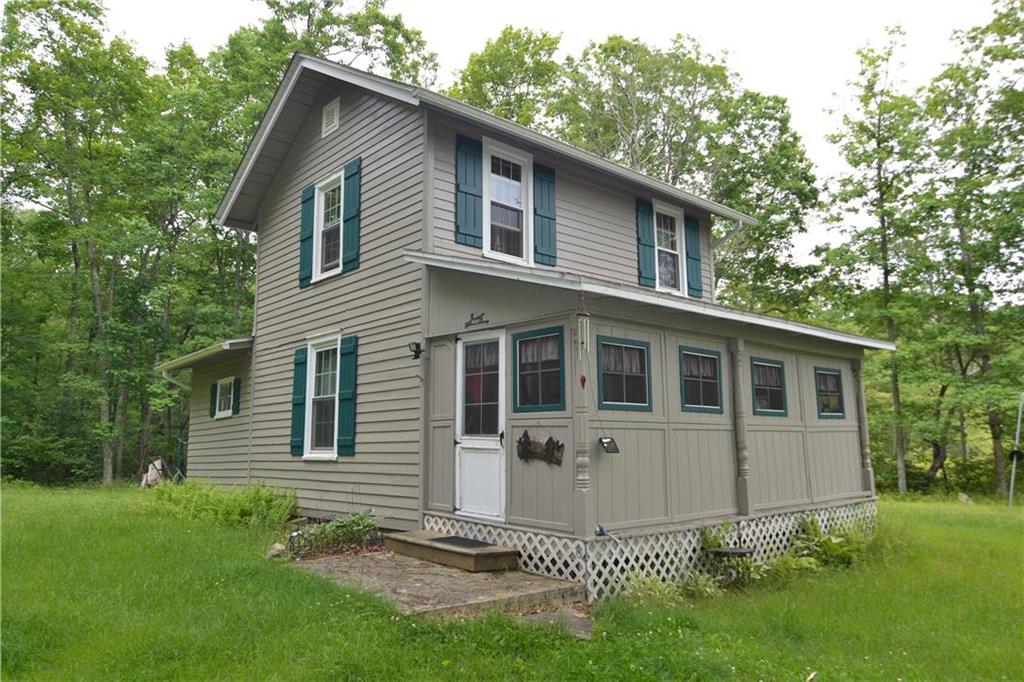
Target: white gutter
x: 165, y: 368
x: 577, y: 283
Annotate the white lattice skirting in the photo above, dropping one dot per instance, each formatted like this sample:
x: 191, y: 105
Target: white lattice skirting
x: 604, y: 564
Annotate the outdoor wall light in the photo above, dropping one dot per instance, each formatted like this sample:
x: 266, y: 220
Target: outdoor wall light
x: 416, y: 349
x: 609, y: 445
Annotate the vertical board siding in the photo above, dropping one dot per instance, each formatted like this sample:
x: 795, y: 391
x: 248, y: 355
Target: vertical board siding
x: 218, y: 448
x: 379, y: 302
x: 595, y: 216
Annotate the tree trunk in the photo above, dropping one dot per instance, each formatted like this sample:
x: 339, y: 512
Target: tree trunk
x: 894, y: 378
x: 102, y: 363
x: 122, y: 405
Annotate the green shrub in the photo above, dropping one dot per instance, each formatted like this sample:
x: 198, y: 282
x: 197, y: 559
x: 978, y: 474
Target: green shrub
x: 700, y: 585
x: 253, y: 505
x: 829, y: 550
x: 327, y: 538
x: 784, y: 568
x: 740, y: 572
x: 714, y: 537
x: 650, y: 589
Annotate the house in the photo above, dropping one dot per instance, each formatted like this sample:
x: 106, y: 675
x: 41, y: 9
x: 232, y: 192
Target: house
x: 474, y: 328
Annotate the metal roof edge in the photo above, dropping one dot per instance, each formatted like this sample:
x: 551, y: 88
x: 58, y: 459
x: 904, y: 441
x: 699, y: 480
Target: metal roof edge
x: 192, y: 358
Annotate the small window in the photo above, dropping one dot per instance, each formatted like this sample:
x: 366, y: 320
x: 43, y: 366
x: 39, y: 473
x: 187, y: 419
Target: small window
x: 329, y: 117
x: 625, y: 374
x: 828, y: 385
x: 480, y: 399
x: 667, y: 238
x: 508, y: 208
x: 327, y: 237
x: 324, y: 398
x: 769, y: 381
x: 225, y: 397
x: 701, y: 376
x: 539, y: 370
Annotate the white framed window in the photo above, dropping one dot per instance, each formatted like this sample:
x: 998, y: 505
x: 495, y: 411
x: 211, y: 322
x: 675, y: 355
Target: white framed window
x: 322, y: 398
x: 225, y: 397
x: 327, y: 231
x: 668, y: 237
x: 329, y: 117
x: 507, y: 203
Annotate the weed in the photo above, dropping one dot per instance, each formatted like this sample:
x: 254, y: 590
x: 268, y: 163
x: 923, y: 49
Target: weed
x: 255, y: 505
x: 327, y: 538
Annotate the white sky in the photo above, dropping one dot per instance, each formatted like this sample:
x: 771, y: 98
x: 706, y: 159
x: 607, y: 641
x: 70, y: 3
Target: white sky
x: 800, y: 49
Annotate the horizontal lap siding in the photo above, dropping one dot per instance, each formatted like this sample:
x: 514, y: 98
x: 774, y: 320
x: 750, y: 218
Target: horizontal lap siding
x: 218, y: 448
x: 379, y: 302
x: 595, y: 217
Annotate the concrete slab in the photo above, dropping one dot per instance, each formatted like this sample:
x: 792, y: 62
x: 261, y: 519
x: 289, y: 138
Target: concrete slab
x: 417, y: 586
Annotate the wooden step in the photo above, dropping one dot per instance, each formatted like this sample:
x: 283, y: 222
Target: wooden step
x: 449, y: 550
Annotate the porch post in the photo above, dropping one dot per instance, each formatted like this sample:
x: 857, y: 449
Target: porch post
x: 866, y: 472
x: 580, y: 407
x: 737, y: 353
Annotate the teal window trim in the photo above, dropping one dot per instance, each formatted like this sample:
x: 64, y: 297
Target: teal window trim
x: 841, y: 414
x: 533, y: 334
x: 633, y: 407
x: 682, y: 380
x: 784, y: 412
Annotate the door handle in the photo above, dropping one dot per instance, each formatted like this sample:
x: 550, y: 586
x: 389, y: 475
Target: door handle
x: 501, y: 439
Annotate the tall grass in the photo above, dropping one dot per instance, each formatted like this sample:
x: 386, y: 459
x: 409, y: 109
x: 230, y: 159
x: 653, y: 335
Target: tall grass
x: 254, y: 504
x: 100, y: 585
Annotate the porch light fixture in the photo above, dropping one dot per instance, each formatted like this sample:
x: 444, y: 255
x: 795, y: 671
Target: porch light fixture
x: 416, y: 349
x: 609, y: 445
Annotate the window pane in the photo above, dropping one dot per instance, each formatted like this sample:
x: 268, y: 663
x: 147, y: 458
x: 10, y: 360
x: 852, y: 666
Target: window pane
x: 691, y: 389
x: 775, y: 401
x: 330, y: 248
x: 550, y: 388
x: 474, y: 388
x: 709, y: 394
x: 472, y: 419
x: 613, y: 385
x: 549, y: 350
x: 633, y: 360
x: 325, y: 376
x: 529, y: 389
x: 224, y: 395
x: 668, y: 269
x: 323, y: 423
x: 666, y: 235
x: 506, y: 230
x: 490, y: 387
x: 691, y: 365
x: 709, y: 367
x: 489, y: 356
x: 489, y: 420
x: 611, y: 358
x: 332, y: 206
x: 636, y: 389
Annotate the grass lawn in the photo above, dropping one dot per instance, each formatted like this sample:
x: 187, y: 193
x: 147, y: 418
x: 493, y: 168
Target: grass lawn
x: 97, y: 585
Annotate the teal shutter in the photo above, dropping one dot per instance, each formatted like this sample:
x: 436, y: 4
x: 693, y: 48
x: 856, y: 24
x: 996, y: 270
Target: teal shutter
x: 298, y: 402
x: 236, y: 396
x: 213, y: 400
x: 645, y: 242
x: 347, y: 395
x: 306, y: 237
x: 469, y: 192
x: 545, y: 251
x: 350, y: 229
x: 693, y: 273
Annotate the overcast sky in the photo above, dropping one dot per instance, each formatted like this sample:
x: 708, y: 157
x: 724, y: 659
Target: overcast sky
x: 802, y: 50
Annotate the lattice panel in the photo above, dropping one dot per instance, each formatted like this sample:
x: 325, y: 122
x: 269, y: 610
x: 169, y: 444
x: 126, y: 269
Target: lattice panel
x: 604, y: 564
x: 555, y: 556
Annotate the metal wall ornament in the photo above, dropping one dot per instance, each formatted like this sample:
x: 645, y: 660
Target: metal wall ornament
x: 549, y: 451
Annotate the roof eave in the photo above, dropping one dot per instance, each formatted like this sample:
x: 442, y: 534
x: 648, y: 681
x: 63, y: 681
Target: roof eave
x: 207, y: 353
x: 623, y: 292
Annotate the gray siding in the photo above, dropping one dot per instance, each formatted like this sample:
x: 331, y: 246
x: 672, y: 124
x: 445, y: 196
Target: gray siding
x: 379, y: 302
x: 674, y: 465
x: 218, y: 449
x: 595, y: 216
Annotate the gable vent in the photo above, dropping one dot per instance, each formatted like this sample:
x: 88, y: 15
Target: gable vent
x: 329, y: 118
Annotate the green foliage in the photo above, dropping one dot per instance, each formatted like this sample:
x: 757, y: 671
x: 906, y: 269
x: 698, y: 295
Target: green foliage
x: 787, y: 567
x: 328, y: 538
x: 715, y: 537
x: 511, y: 77
x: 650, y: 589
x: 700, y: 585
x: 810, y: 541
x: 254, y: 505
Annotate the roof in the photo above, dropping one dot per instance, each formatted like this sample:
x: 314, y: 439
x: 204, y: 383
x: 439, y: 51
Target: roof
x: 297, y: 92
x: 208, y: 353
x: 636, y: 294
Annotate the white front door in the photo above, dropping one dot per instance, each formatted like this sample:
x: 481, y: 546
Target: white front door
x: 480, y: 425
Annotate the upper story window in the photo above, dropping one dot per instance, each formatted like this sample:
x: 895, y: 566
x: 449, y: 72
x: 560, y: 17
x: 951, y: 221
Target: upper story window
x: 329, y: 117
x: 327, y: 229
x: 507, y: 203
x: 828, y: 387
x: 769, y: 382
x: 225, y: 397
x: 666, y: 228
x: 625, y: 377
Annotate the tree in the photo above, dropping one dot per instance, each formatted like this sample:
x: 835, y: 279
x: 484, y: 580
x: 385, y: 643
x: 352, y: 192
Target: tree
x: 881, y: 140
x: 511, y: 76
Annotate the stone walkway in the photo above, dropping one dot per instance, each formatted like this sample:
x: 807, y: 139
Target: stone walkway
x: 422, y: 587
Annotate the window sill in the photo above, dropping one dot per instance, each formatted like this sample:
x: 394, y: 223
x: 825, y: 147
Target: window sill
x: 493, y: 255
x: 703, y: 409
x: 320, y: 457
x: 326, y: 275
x: 771, y: 413
x: 223, y: 415
x: 631, y: 407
